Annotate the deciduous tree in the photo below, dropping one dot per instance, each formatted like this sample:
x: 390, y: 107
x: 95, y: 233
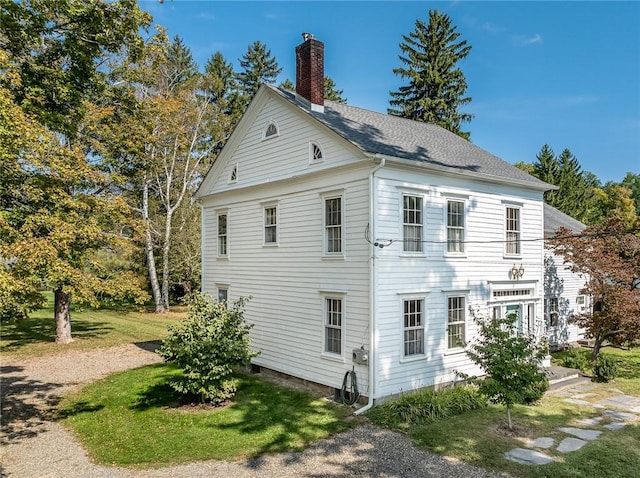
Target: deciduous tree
x: 436, y: 87
x: 608, y: 257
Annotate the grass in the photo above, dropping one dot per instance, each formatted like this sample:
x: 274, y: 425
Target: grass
x: 90, y: 329
x: 480, y: 437
x: 135, y: 413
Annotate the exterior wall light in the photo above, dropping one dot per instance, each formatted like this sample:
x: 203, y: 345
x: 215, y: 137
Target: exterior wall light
x: 517, y: 272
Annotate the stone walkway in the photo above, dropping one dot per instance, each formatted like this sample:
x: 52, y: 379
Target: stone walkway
x: 615, y: 413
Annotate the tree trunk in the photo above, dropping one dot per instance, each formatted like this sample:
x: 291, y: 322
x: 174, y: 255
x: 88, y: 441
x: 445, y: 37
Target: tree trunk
x: 166, y: 247
x: 509, y: 418
x: 151, y: 260
x: 597, y: 345
x: 63, y: 316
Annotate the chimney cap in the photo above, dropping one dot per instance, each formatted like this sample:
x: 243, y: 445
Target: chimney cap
x: 308, y: 36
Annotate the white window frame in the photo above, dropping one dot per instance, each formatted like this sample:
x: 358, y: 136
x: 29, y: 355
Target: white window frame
x: 222, y: 240
x: 448, y: 323
x: 408, y: 245
x: 329, y: 228
x: 233, y: 177
x: 222, y: 289
x: 583, y: 303
x: 407, y: 300
x: 313, y: 146
x: 449, y: 228
x: 329, y: 299
x: 266, y: 225
x: 265, y: 132
x: 511, y: 240
x: 552, y: 310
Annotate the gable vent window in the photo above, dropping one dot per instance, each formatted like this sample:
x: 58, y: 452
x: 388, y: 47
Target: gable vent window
x: 316, y: 153
x: 271, y: 131
x: 234, y: 174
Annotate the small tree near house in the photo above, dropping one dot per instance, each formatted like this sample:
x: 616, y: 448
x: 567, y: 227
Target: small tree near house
x: 510, y: 361
x: 207, y: 346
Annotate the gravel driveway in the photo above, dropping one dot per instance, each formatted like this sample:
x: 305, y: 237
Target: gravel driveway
x: 35, y: 446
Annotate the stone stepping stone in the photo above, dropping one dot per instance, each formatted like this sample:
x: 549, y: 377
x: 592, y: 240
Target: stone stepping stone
x: 577, y: 401
x: 528, y: 457
x: 584, y: 395
x: 626, y: 402
x: 590, y: 421
x: 581, y: 433
x: 615, y: 425
x: 622, y: 416
x: 570, y: 444
x: 542, y: 442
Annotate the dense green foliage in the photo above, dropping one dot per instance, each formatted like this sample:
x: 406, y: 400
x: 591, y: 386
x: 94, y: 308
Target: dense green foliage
x: 575, y: 358
x: 206, y: 346
x: 257, y: 66
x: 604, y: 368
x: 426, y: 406
x: 510, y: 360
x: 436, y: 86
x: 136, y: 414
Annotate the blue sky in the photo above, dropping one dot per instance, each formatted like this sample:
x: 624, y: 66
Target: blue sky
x: 562, y: 73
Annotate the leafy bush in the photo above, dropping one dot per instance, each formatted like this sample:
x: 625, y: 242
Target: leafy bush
x: 427, y: 406
x: 604, y: 369
x: 510, y: 361
x: 574, y: 359
x: 206, y: 346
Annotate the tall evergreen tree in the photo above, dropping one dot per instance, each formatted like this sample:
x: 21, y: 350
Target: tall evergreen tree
x: 436, y: 85
x: 258, y: 66
x: 330, y: 91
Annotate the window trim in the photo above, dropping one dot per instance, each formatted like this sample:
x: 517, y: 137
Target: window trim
x: 312, y: 147
x: 222, y: 287
x: 464, y: 322
x: 420, y: 242
x: 326, y: 297
x: 325, y: 231
x: 265, y: 131
x: 518, y: 231
x: 423, y: 316
x: 219, y: 254
x: 266, y: 206
x: 552, y: 311
x: 463, y: 228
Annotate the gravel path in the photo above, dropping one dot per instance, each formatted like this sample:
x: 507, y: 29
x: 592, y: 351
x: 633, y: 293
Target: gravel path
x: 35, y: 446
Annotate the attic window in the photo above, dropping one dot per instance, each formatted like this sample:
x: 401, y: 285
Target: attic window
x: 315, y: 153
x: 271, y: 131
x: 234, y: 174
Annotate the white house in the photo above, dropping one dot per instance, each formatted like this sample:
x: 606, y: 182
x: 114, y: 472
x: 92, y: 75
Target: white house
x: 366, y: 240
x: 562, y: 288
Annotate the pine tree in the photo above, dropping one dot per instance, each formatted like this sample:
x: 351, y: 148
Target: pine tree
x: 330, y: 91
x: 223, y: 87
x: 436, y: 88
x: 258, y: 66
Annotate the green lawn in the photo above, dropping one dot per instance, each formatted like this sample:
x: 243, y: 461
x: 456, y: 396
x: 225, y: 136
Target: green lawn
x: 90, y: 328
x: 479, y: 437
x: 136, y: 414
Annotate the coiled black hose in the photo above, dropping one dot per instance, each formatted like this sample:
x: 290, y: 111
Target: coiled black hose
x: 349, y: 394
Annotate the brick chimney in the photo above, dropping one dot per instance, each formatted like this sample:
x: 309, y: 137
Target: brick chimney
x: 310, y: 71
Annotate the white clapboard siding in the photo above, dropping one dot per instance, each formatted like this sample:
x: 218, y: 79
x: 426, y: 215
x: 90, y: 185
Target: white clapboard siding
x: 434, y: 274
x: 566, y: 286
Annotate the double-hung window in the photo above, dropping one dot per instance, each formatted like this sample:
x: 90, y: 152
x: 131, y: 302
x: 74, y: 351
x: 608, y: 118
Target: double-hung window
x: 222, y: 235
x: 512, y: 231
x: 333, y: 225
x: 413, y: 327
x: 412, y: 223
x: 271, y: 225
x: 455, y: 322
x: 552, y: 311
x: 333, y: 324
x: 455, y: 226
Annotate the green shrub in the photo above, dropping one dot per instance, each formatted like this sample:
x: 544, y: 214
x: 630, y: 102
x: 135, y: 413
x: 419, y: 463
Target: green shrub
x: 427, y: 406
x: 604, y: 369
x: 574, y: 359
x: 206, y: 346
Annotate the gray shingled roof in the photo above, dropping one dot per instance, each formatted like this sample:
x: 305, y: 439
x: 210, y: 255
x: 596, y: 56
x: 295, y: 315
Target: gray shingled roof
x: 554, y: 219
x: 397, y: 137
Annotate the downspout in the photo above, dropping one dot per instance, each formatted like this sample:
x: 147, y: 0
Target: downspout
x: 372, y: 289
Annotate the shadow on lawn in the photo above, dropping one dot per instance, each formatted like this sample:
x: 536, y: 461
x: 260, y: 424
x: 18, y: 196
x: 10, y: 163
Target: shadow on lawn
x: 19, y: 333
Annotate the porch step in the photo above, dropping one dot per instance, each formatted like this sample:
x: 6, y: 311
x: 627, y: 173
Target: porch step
x: 558, y: 374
